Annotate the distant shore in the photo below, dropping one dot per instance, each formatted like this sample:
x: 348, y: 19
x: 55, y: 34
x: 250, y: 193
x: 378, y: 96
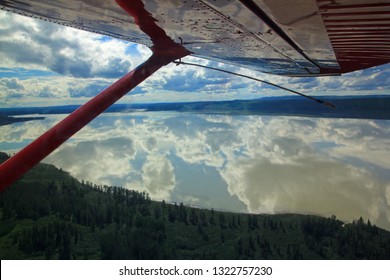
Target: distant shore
x: 5, y: 120
x: 357, y: 107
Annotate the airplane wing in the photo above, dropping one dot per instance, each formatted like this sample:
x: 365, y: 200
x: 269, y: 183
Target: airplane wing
x: 295, y: 38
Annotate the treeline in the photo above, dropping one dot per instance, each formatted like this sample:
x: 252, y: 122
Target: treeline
x: 50, y: 215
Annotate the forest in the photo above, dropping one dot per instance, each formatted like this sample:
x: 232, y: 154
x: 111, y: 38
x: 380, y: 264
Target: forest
x: 48, y: 214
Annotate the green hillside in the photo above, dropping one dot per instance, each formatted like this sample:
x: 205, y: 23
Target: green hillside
x: 50, y: 215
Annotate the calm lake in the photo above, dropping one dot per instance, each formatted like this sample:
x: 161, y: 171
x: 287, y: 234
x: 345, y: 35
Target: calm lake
x: 257, y: 164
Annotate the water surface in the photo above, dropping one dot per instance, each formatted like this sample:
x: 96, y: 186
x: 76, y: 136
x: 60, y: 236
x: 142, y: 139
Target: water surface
x: 258, y: 164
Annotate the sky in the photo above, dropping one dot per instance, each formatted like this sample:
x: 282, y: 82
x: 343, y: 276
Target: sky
x: 44, y: 64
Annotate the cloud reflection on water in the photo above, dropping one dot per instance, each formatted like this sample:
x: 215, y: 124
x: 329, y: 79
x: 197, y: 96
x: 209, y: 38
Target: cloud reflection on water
x: 237, y: 163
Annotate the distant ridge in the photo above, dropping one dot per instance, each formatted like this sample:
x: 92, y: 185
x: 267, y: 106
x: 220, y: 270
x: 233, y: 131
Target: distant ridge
x: 359, y: 107
x: 4, y: 120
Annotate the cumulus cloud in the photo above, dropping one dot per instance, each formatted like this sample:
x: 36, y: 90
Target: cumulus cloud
x: 296, y: 165
x: 49, y: 90
x: 98, y: 157
x: 23, y: 133
x: 12, y: 84
x: 10, y: 88
x: 311, y: 185
x: 103, y: 161
x: 26, y: 42
x: 85, y: 63
x: 88, y: 89
x: 46, y: 64
x: 158, y: 176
